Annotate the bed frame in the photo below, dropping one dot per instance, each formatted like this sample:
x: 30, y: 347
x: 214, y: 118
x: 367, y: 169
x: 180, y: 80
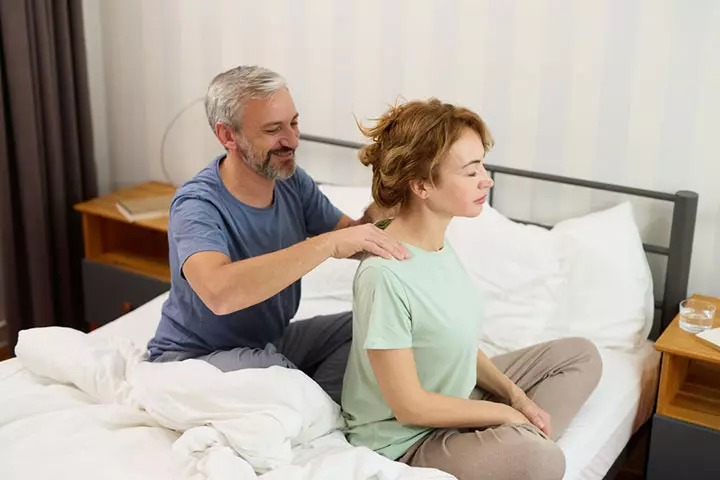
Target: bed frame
x: 678, y: 253
x: 682, y: 231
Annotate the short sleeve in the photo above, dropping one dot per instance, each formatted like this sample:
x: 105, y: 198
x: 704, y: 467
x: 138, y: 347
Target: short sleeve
x: 321, y: 216
x: 381, y: 309
x: 195, y: 226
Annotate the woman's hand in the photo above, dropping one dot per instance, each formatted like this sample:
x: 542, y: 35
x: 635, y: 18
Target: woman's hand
x: 537, y: 416
x: 514, y: 416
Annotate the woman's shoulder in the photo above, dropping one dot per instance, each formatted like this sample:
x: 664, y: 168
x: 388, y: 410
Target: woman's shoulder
x: 378, y: 276
x: 375, y: 264
x: 373, y: 269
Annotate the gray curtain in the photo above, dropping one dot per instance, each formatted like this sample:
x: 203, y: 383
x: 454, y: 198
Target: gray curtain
x: 46, y: 161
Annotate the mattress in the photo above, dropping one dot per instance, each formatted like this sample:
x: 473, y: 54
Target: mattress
x: 622, y: 402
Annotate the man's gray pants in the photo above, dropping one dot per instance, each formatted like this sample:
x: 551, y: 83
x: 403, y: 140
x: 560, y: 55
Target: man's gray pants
x: 318, y: 346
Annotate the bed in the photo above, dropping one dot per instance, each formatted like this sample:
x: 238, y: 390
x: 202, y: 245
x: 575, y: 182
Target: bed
x: 59, y: 426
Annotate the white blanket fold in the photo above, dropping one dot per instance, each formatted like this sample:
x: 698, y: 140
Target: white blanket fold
x: 274, y: 422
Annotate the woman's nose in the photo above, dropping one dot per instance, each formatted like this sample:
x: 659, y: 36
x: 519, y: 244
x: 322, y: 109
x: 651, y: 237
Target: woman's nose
x: 486, y: 183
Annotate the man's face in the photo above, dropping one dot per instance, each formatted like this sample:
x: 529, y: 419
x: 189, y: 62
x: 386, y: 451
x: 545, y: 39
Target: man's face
x: 269, y: 135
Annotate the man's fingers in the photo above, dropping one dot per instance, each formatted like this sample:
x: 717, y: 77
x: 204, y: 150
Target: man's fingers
x: 374, y: 248
x: 389, y: 244
x: 388, y: 247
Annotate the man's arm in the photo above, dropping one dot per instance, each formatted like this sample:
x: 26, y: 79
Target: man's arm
x: 346, y: 222
x: 226, y: 287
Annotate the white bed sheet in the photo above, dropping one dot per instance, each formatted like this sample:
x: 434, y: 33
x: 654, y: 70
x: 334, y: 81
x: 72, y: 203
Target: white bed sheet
x: 622, y: 402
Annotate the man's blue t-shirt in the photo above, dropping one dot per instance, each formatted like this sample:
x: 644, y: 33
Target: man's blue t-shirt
x: 204, y: 216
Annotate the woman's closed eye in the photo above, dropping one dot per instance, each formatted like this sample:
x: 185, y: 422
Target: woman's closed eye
x: 473, y: 168
x: 476, y: 170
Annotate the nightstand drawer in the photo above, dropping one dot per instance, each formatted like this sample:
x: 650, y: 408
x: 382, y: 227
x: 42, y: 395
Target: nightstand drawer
x: 680, y: 450
x: 111, y: 292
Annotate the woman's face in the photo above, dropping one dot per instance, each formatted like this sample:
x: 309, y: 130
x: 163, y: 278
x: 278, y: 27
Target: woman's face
x: 463, y: 183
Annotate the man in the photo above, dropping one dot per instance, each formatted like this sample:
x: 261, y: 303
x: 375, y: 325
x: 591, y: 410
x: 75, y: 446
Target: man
x: 244, y: 231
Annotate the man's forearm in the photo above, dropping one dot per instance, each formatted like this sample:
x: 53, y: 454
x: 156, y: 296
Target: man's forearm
x: 245, y: 283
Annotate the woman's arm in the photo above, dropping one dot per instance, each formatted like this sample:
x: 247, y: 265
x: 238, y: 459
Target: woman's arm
x: 397, y: 377
x: 492, y: 380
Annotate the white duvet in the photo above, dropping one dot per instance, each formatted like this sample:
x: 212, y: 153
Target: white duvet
x: 95, y: 410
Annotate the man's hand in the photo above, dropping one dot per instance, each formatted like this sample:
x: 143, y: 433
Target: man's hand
x: 537, y: 416
x: 365, y: 238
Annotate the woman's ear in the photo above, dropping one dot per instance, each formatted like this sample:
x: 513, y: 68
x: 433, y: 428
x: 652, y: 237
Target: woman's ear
x: 419, y: 188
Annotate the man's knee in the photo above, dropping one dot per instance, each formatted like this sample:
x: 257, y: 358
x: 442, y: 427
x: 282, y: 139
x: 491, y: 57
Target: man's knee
x: 338, y: 331
x: 333, y: 330
x: 242, y: 358
x: 346, y: 327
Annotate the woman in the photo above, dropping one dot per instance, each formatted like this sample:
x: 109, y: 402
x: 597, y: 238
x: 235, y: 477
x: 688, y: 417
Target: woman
x: 417, y: 389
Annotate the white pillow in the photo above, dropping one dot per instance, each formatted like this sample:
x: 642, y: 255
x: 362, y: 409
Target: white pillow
x: 610, y: 289
x: 330, y: 280
x: 519, y: 271
x: 351, y: 200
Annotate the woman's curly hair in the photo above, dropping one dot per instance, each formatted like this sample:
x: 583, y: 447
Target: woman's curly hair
x: 409, y: 141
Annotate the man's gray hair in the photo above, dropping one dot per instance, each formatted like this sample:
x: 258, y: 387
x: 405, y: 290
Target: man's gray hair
x: 230, y: 91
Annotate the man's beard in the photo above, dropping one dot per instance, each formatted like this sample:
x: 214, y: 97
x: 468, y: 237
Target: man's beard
x: 265, y: 166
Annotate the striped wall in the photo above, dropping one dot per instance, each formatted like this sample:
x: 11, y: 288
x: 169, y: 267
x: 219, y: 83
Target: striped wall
x: 622, y: 91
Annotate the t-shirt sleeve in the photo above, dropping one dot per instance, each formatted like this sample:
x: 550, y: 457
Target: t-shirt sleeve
x: 195, y: 226
x: 381, y: 307
x: 321, y: 216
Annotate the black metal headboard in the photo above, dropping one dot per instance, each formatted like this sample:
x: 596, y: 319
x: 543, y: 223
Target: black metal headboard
x: 682, y: 231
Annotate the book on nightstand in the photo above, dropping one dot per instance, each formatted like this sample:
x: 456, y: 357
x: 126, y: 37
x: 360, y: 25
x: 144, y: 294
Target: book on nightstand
x: 147, y: 208
x: 710, y: 337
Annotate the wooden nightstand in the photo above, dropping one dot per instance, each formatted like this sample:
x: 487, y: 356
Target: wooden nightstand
x: 126, y: 264
x: 685, y: 440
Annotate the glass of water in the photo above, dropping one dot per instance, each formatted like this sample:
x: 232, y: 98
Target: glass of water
x: 696, y: 315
